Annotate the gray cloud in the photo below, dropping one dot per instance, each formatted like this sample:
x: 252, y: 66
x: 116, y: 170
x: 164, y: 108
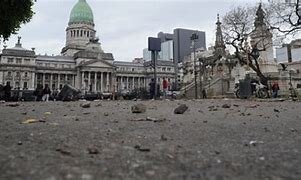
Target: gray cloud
x: 122, y: 25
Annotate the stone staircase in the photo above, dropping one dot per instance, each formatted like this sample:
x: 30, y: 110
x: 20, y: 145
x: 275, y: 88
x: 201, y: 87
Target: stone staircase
x: 217, y: 87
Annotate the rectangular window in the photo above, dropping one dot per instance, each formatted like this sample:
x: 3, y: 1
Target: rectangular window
x: 25, y: 85
x: 10, y: 60
x: 19, y: 61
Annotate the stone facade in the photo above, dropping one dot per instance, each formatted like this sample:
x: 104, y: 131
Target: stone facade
x: 82, y: 63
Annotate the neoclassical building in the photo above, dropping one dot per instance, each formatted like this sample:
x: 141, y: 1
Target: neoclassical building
x: 82, y: 63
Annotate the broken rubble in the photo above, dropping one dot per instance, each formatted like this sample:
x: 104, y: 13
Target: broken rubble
x: 181, y: 109
x: 86, y: 105
x: 138, y: 108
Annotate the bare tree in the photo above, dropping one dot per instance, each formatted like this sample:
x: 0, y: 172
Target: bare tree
x: 285, y: 16
x: 238, y: 27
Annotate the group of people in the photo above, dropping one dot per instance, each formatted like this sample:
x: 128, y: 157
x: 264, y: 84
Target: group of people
x: 43, y: 94
x: 152, y: 88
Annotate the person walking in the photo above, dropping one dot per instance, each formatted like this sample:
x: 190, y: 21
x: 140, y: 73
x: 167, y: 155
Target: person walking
x: 152, y: 88
x: 275, y: 89
x: 7, y: 91
x: 46, y: 93
x: 204, y: 93
x: 165, y: 86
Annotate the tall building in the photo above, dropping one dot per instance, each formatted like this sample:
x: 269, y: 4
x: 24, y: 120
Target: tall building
x: 182, y: 43
x: 82, y: 62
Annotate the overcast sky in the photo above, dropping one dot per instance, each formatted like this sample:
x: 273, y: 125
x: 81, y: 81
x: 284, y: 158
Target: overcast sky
x: 122, y: 25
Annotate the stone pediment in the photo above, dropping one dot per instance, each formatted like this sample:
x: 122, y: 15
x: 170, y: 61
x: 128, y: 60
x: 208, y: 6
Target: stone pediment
x: 97, y: 64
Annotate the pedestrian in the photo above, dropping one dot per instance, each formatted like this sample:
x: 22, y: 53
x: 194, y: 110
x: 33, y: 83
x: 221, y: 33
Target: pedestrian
x: 165, y: 86
x: 46, y: 93
x: 275, y: 89
x: 7, y: 91
x: 152, y: 88
x: 204, y: 93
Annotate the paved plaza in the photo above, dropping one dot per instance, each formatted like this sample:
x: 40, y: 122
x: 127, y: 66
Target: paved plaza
x: 213, y: 139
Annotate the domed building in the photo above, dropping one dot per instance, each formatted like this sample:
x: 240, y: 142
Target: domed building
x: 82, y: 62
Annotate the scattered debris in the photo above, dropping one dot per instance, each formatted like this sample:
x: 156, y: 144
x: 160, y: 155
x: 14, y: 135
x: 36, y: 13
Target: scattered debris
x: 92, y: 150
x: 253, y: 106
x: 163, y: 137
x: 212, y: 108
x: 262, y: 158
x: 254, y: 143
x: 142, y: 149
x: 106, y: 114
x: 86, y: 113
x: 29, y: 121
x: 226, y: 106
x: 266, y: 129
x: 86, y: 105
x: 181, y: 109
x: 138, y: 108
x: 293, y: 130
x: 13, y: 104
x: 24, y: 113
x: 235, y: 105
x: 63, y: 151
x: 276, y: 110
x: 20, y: 143
x: 205, y: 121
x: 47, y: 113
x: 150, y: 119
x: 98, y: 105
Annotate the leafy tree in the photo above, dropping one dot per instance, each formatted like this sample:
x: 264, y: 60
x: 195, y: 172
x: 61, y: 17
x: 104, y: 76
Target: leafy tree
x: 14, y: 13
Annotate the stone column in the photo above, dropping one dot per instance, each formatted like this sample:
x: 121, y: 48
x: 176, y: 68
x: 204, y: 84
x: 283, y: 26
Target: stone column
x: 101, y: 81
x: 127, y: 83
x: 43, y: 81
x: 133, y: 83
x: 32, y: 80
x: 89, y: 80
x: 58, y: 81
x: 82, y: 80
x: 51, y: 79
x: 95, y: 82
x: 139, y: 79
x: 108, y: 82
x: 66, y: 79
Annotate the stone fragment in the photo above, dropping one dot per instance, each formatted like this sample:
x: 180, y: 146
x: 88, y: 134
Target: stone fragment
x: 13, y: 104
x: 163, y: 137
x: 92, y: 150
x: 29, y: 121
x: 226, y: 106
x: 181, y: 109
x: 138, y: 108
x: 106, y: 114
x: 142, y: 149
x: 86, y: 105
x: 276, y: 110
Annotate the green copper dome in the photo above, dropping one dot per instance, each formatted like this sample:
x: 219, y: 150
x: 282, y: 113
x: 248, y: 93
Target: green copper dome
x: 81, y: 12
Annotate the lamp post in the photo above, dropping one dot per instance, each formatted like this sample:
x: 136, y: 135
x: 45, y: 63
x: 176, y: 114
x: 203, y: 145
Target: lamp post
x: 201, y: 69
x: 193, y: 38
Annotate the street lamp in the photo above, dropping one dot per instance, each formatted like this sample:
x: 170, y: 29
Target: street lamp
x: 193, y: 39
